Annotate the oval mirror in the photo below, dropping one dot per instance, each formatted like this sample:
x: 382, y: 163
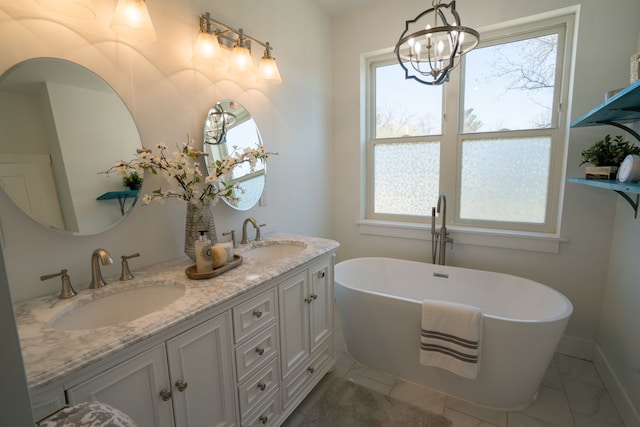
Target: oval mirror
x: 60, y: 126
x: 229, y: 127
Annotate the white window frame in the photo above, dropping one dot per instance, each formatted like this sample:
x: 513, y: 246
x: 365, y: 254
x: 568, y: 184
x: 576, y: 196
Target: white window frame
x: 451, y: 149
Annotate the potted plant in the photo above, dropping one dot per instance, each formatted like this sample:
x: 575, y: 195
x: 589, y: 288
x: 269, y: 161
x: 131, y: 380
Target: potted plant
x: 606, y: 155
x: 132, y: 180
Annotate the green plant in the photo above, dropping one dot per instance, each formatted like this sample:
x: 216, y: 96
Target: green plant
x: 132, y: 180
x: 609, y: 152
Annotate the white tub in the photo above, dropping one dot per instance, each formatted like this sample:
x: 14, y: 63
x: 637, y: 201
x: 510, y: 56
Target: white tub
x: 379, y: 301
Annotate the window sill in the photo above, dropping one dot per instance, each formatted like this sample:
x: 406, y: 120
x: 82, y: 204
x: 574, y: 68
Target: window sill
x: 506, y: 239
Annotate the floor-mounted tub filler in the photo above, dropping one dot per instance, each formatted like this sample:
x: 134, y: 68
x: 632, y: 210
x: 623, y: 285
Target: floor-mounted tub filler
x: 380, y: 305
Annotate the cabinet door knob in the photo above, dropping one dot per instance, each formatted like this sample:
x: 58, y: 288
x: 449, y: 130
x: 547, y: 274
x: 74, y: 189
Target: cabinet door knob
x: 314, y: 296
x: 308, y: 300
x: 321, y: 274
x: 263, y: 419
x: 257, y: 313
x: 311, y: 369
x: 260, y: 351
x: 165, y: 394
x: 262, y: 386
x: 181, y: 385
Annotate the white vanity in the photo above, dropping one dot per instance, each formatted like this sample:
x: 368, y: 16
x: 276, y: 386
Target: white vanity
x: 242, y: 348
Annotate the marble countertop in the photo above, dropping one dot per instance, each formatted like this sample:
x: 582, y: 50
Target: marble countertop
x: 50, y: 354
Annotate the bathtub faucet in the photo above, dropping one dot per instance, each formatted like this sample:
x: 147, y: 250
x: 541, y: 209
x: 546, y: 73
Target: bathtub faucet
x: 439, y: 239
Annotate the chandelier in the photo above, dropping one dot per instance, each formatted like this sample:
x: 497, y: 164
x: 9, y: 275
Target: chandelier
x: 433, y: 43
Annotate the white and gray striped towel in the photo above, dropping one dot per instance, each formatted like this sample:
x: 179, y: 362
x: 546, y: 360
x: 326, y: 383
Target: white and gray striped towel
x: 450, y: 337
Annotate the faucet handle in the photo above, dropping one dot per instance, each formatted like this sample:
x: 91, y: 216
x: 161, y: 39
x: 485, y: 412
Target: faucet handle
x: 67, y: 290
x: 126, y: 273
x: 258, y: 236
x: 233, y: 237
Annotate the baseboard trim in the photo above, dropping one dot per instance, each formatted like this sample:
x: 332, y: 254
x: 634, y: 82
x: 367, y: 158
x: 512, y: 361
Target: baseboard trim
x: 618, y: 394
x: 576, y: 347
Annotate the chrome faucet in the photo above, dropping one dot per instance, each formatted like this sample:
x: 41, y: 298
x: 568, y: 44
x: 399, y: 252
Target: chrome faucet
x: 96, y: 275
x: 253, y: 222
x: 439, y: 239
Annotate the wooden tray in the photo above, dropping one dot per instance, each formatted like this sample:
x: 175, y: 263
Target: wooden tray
x: 192, y: 272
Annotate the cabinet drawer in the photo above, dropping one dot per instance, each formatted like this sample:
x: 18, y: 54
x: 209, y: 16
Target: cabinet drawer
x: 256, y: 352
x: 258, y: 387
x: 254, y: 314
x: 308, y: 374
x: 266, y: 414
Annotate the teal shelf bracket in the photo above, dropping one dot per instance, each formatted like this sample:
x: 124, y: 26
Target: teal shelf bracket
x: 122, y: 197
x: 634, y: 204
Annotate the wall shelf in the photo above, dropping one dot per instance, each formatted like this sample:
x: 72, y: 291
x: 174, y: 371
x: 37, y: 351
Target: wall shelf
x: 623, y: 107
x: 620, y: 109
x: 622, y: 188
x: 122, y: 197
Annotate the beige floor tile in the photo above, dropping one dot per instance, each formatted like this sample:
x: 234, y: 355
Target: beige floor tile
x: 419, y: 396
x: 493, y: 416
x: 459, y: 419
x: 518, y: 419
x: 578, y: 369
x: 593, y: 401
x: 551, y: 406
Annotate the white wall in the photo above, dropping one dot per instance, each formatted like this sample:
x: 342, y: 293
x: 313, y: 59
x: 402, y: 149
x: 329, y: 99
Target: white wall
x: 579, y: 269
x: 169, y: 98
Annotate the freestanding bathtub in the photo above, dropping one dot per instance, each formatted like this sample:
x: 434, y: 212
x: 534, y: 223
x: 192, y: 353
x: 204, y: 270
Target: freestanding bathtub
x: 380, y: 301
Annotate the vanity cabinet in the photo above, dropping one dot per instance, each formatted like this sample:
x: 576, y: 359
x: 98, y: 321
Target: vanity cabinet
x: 182, y: 382
x: 306, y: 324
x: 247, y: 361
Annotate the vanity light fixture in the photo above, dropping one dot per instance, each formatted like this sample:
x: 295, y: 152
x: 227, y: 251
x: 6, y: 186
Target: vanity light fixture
x: 239, y: 44
x: 268, y: 69
x: 131, y: 20
x: 77, y: 9
x: 433, y: 43
x: 207, y: 48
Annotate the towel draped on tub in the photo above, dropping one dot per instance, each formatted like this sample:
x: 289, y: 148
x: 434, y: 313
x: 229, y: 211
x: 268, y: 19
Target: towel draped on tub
x: 450, y: 337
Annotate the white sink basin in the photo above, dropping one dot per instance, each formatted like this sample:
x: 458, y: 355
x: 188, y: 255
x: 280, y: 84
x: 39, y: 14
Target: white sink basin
x: 117, y: 308
x: 274, y: 250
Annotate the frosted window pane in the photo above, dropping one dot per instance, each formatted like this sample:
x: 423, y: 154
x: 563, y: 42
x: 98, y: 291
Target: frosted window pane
x: 510, y: 86
x: 404, y: 108
x: 505, y: 179
x: 407, y: 177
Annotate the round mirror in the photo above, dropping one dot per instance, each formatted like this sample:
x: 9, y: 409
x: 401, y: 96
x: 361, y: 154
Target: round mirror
x: 229, y: 127
x: 60, y: 126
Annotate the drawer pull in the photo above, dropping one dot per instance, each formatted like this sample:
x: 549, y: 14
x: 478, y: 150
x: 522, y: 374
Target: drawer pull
x: 321, y: 274
x: 181, y: 385
x: 262, y: 386
x: 260, y: 351
x: 311, y: 369
x: 263, y: 419
x: 165, y: 394
x: 257, y: 313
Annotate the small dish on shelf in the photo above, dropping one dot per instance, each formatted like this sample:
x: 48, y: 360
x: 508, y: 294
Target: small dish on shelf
x: 192, y: 272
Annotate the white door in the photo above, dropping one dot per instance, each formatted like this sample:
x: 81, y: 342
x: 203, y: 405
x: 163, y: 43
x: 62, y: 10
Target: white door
x: 135, y: 387
x: 201, y: 370
x: 29, y: 181
x: 294, y: 322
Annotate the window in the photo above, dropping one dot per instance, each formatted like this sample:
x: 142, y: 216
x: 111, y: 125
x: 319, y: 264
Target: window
x: 492, y: 138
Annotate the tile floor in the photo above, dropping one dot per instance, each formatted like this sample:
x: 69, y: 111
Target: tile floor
x: 571, y: 395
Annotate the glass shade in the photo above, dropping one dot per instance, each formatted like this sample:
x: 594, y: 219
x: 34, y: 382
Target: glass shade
x: 208, y: 50
x: 131, y: 20
x: 77, y: 9
x: 241, y: 62
x: 268, y: 71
